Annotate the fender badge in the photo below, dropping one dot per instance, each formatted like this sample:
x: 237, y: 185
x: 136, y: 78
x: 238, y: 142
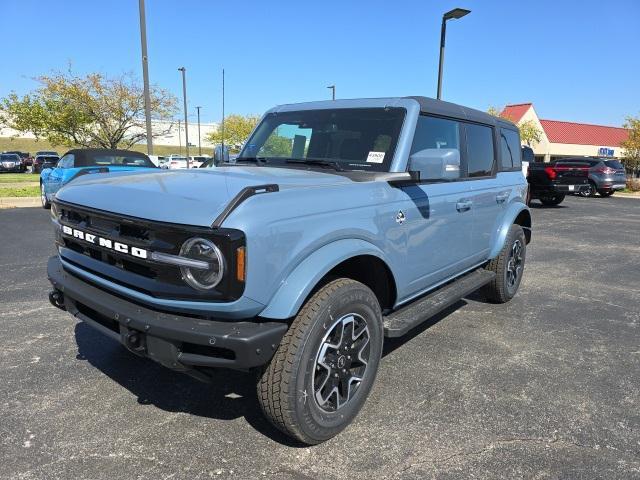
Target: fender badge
x: 400, y: 218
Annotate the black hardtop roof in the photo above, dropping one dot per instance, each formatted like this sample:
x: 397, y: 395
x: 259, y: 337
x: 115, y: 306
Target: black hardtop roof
x: 87, y: 152
x: 448, y: 109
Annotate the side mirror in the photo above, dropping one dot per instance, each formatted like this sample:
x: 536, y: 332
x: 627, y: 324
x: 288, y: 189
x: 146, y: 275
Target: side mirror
x: 436, y: 163
x: 220, y: 155
x: 527, y: 154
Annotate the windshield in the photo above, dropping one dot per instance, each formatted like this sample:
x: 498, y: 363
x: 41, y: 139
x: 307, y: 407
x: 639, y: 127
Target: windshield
x: 129, y: 160
x: 9, y: 157
x: 349, y: 139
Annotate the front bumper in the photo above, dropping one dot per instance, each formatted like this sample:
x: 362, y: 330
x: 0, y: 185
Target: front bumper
x: 183, y: 343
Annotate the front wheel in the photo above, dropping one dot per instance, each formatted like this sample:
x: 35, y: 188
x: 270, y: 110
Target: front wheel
x: 552, y: 200
x: 508, y: 267
x: 43, y: 198
x: 326, y: 363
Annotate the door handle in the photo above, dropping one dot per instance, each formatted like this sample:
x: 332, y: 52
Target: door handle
x: 463, y: 205
x: 502, y: 197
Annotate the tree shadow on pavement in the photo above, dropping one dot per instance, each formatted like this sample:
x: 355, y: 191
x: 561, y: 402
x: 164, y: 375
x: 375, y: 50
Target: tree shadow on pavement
x: 230, y: 395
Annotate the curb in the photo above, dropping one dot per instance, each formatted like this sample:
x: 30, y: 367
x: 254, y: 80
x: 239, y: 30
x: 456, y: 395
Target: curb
x: 19, y: 202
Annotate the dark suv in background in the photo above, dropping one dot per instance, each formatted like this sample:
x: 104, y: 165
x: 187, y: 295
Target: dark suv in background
x: 605, y: 175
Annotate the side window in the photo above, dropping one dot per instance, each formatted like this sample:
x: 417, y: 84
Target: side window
x: 510, y: 149
x: 479, y: 150
x: 437, y: 133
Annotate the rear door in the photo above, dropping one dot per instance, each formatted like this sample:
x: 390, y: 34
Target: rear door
x: 488, y: 193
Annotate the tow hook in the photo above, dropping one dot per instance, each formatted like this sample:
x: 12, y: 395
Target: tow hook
x: 56, y: 297
x: 133, y: 340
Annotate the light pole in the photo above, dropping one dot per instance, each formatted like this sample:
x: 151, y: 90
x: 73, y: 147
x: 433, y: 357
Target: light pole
x: 145, y: 76
x: 222, y: 142
x: 179, y: 139
x: 199, y: 144
x: 186, y: 123
x: 450, y: 15
x: 333, y: 91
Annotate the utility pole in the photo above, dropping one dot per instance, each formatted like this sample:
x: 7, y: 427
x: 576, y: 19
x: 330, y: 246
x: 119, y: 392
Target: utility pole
x: 145, y: 76
x: 199, y: 144
x: 333, y: 91
x: 186, y: 122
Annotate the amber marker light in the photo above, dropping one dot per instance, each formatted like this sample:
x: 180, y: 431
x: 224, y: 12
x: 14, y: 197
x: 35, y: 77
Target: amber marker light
x: 240, y: 264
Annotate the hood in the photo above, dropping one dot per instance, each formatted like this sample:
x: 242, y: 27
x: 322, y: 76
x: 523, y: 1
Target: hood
x: 189, y: 197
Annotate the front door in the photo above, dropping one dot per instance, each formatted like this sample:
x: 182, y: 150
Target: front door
x: 439, y: 227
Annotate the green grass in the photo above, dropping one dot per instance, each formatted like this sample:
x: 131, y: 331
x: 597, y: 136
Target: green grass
x: 18, y: 178
x: 32, y: 146
x: 19, y: 191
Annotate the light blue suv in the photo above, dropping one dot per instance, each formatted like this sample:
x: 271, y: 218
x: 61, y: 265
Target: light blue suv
x: 339, y: 224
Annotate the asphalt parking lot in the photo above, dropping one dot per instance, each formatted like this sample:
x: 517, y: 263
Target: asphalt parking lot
x: 547, y: 386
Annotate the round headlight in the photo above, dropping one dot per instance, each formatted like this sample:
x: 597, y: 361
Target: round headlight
x: 205, y: 251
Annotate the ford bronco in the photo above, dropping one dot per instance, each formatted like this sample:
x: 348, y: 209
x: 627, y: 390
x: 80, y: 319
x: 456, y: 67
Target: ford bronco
x: 339, y: 224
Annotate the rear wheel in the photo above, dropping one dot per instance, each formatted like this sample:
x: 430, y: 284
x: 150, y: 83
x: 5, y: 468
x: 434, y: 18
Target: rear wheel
x: 606, y: 193
x: 326, y: 363
x: 552, y: 199
x: 508, y: 267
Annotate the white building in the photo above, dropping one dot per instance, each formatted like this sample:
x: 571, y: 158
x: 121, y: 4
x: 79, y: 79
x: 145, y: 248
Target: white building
x: 568, y: 139
x: 175, y: 135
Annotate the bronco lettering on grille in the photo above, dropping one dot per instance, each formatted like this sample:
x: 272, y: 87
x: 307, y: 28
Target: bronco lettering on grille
x: 105, y: 242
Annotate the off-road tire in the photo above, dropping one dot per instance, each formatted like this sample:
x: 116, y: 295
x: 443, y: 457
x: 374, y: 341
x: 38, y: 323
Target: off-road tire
x: 552, y: 200
x: 499, y: 290
x: 286, y: 391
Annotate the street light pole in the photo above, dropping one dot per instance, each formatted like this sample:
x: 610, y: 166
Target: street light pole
x: 222, y: 142
x: 179, y: 139
x: 145, y: 76
x: 186, y: 123
x: 333, y: 91
x: 450, y: 15
x: 199, y: 144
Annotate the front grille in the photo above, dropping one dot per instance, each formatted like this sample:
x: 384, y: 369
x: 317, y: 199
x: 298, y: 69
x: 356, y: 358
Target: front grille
x: 144, y: 275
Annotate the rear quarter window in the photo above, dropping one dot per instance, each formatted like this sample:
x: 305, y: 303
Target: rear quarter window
x: 510, y: 150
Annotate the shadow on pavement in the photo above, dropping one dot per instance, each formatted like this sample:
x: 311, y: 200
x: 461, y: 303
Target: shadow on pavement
x: 230, y: 395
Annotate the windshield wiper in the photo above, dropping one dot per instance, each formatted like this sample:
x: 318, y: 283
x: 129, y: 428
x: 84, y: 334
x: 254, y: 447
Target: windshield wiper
x: 317, y: 161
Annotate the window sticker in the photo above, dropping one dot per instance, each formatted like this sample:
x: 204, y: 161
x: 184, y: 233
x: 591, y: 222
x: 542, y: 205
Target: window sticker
x: 375, y: 157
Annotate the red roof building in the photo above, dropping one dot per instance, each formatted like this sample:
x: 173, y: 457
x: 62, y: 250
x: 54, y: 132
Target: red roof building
x: 564, y: 139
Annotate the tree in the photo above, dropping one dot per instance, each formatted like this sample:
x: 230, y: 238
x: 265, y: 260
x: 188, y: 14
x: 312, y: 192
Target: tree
x: 631, y: 145
x: 236, y: 130
x: 89, y: 111
x: 529, y: 131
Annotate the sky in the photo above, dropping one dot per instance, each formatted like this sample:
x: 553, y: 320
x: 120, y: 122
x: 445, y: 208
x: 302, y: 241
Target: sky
x: 575, y: 60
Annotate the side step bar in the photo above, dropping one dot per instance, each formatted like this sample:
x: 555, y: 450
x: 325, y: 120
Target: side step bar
x: 401, y: 321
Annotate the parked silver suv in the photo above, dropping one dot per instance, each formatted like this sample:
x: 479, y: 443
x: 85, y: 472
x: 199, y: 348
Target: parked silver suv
x: 605, y: 175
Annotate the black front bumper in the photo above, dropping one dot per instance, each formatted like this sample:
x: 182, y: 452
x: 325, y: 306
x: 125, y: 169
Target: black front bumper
x: 184, y: 343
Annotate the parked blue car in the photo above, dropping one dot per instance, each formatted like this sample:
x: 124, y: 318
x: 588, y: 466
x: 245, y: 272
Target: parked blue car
x: 339, y: 224
x: 85, y: 161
